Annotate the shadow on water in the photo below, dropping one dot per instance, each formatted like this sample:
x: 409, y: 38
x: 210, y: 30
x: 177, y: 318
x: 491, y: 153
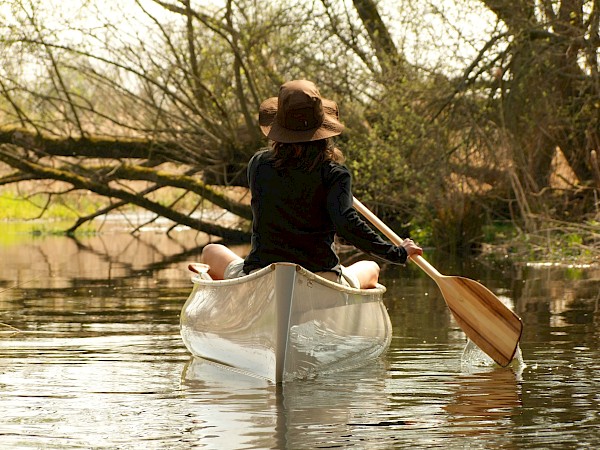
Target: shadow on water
x: 91, y: 357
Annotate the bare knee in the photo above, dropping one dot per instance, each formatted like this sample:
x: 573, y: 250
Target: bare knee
x: 367, y: 273
x: 218, y: 257
x: 210, y: 251
x: 371, y: 275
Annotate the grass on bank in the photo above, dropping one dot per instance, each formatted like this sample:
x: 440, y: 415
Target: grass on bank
x: 565, y: 243
x: 22, y: 218
x: 13, y: 207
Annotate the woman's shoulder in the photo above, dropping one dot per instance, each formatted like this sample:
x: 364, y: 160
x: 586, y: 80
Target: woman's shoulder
x: 333, y: 172
x: 335, y: 168
x: 262, y: 154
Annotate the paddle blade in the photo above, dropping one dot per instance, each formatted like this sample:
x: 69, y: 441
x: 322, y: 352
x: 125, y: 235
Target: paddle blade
x: 490, y: 324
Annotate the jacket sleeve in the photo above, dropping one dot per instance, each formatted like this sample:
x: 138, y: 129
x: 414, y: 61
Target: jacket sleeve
x: 348, y: 223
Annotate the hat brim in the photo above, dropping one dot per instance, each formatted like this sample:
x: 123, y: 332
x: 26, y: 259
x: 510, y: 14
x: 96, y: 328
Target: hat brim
x: 330, y: 127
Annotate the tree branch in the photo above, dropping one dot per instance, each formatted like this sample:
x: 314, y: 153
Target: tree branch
x: 8, y: 154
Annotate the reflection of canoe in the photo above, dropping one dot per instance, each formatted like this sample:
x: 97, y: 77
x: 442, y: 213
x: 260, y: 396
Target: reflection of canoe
x: 284, y: 322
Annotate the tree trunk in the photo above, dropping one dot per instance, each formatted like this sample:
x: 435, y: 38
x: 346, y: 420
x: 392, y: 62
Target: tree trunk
x: 381, y: 39
x: 548, y: 100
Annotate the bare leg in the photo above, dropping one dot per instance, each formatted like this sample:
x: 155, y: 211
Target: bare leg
x: 367, y: 273
x: 218, y: 257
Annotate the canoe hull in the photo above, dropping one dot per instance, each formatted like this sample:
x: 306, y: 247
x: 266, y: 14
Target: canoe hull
x: 283, y: 323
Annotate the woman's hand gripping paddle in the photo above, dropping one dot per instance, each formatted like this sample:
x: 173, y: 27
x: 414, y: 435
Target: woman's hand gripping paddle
x: 493, y: 327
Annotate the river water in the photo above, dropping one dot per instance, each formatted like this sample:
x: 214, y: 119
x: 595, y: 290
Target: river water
x: 91, y: 357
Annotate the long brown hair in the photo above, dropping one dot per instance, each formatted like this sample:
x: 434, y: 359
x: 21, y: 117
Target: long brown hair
x: 306, y: 155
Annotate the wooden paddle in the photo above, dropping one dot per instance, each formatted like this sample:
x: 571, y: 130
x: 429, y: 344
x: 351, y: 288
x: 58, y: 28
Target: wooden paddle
x: 492, y: 326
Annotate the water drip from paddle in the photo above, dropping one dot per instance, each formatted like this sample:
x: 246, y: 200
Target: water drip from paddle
x: 474, y: 358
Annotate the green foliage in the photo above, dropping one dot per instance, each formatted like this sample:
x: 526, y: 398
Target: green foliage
x: 16, y: 232
x: 401, y: 161
x: 573, y: 245
x: 498, y: 232
x: 422, y: 236
x: 392, y: 152
x: 14, y: 207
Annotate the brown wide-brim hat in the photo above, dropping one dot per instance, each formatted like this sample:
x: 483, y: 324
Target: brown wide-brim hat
x: 299, y: 114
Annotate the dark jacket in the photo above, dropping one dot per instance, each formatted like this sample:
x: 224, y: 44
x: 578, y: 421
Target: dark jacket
x: 298, y: 212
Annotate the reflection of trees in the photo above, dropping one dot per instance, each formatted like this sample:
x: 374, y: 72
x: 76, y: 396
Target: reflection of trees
x: 556, y: 299
x: 61, y: 284
x: 482, y: 402
x: 66, y: 261
x: 160, y: 260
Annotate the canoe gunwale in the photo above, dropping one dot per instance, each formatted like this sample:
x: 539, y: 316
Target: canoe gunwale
x: 197, y: 278
x: 378, y: 290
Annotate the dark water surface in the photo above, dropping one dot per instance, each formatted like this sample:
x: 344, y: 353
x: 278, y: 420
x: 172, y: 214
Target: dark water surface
x: 91, y: 357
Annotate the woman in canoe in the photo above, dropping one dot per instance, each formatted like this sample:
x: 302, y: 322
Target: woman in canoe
x: 302, y: 196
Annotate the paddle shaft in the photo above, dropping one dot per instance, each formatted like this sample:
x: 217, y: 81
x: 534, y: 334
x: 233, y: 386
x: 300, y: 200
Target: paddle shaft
x: 397, y: 240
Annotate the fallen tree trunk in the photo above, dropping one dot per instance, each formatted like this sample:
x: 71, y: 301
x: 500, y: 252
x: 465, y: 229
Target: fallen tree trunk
x: 104, y: 180
x: 96, y: 147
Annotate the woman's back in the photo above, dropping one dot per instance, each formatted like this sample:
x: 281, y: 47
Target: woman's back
x: 292, y: 221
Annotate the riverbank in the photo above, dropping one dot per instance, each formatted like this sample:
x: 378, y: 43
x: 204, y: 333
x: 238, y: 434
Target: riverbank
x: 46, y: 214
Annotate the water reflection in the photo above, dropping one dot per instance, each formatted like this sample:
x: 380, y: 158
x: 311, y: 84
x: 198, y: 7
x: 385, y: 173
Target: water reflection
x: 484, y: 402
x: 232, y: 408
x: 331, y: 411
x: 91, y: 357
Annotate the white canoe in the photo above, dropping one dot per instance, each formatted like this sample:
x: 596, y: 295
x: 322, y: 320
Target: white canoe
x: 284, y: 322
